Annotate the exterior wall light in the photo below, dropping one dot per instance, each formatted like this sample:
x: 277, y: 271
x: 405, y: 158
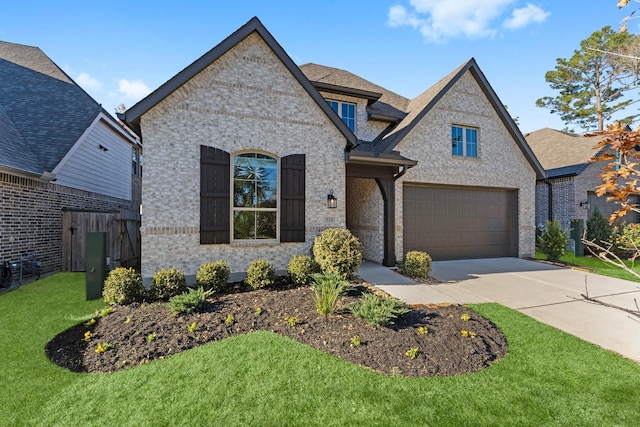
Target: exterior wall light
x: 332, y: 202
x: 585, y: 205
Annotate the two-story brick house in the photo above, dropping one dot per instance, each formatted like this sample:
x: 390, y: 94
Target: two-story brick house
x: 244, y: 148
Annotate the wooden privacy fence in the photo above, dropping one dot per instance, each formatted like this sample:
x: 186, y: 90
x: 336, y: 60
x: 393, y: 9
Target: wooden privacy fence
x: 122, y: 228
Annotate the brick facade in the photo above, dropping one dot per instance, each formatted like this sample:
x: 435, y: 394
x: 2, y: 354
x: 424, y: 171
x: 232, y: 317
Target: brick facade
x: 365, y: 216
x: 500, y: 162
x: 31, y: 216
x: 246, y: 100
x: 568, y: 193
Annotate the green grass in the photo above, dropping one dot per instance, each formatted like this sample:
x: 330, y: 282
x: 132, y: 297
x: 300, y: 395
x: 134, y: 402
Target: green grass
x: 598, y: 266
x: 547, y: 378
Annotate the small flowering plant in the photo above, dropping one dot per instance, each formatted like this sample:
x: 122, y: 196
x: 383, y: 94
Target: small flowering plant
x: 102, y: 347
x: 627, y: 236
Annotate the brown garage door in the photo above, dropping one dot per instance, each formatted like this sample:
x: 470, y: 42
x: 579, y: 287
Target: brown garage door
x: 457, y: 223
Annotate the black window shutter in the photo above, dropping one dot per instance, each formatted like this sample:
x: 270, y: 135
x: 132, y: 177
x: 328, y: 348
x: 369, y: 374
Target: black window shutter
x: 292, y: 186
x: 214, y: 196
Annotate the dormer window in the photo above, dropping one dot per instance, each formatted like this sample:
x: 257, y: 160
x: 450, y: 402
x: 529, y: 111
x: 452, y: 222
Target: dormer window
x: 346, y: 111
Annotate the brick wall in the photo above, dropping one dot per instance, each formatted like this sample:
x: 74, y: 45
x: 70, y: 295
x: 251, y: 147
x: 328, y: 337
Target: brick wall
x: 365, y: 216
x: 500, y: 162
x: 31, y: 216
x: 246, y: 100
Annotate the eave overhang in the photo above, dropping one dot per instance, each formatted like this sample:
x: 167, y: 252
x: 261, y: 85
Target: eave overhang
x: 378, y: 159
x: 371, y: 97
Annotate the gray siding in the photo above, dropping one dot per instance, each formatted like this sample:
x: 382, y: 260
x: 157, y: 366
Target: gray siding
x: 90, y: 168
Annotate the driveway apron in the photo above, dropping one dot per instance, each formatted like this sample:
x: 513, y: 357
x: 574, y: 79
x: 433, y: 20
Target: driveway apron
x: 548, y: 293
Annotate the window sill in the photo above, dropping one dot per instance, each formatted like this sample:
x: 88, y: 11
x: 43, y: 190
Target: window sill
x: 254, y: 243
x: 465, y: 158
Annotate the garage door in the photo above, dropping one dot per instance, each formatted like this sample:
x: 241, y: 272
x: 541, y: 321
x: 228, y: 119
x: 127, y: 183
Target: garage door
x: 457, y: 223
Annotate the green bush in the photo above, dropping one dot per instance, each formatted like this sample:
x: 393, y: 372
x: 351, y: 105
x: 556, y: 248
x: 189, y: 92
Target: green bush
x: 416, y: 264
x: 379, y: 311
x: 553, y: 242
x: 301, y: 268
x: 336, y: 250
x: 599, y: 230
x: 327, y: 288
x: 123, y: 286
x: 213, y: 275
x: 627, y: 237
x: 189, y: 301
x: 260, y: 274
x: 167, y: 283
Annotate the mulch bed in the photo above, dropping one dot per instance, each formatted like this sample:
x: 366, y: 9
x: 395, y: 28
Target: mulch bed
x: 140, y: 333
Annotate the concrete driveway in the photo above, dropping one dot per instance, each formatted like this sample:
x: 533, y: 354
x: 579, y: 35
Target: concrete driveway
x: 545, y: 292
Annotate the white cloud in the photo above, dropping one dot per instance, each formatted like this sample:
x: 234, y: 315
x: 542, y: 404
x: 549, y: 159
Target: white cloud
x: 438, y: 20
x: 135, y: 89
x: 87, y: 82
x: 525, y: 16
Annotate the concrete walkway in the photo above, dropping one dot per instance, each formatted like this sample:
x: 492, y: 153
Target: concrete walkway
x: 545, y: 292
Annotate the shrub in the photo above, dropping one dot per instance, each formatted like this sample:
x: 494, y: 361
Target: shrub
x: 599, y: 230
x: 188, y: 302
x: 553, y: 242
x: 301, y: 268
x: 336, y: 250
x: 378, y: 311
x: 416, y: 264
x: 213, y: 275
x: 167, y: 283
x: 123, y: 286
x: 260, y: 274
x: 627, y: 237
x: 327, y: 288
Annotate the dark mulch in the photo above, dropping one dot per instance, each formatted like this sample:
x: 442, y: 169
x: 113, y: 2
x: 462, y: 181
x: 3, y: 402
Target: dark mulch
x: 140, y: 333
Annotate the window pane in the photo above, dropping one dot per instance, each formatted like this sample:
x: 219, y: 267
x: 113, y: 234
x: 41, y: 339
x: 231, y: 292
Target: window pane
x: 244, y: 193
x: 472, y: 146
x: 456, y: 141
x: 255, y: 185
x: 265, y: 225
x: 244, y: 225
x: 334, y: 105
x: 349, y: 116
x: 266, y: 194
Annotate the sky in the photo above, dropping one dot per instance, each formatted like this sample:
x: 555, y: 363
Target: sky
x: 120, y: 51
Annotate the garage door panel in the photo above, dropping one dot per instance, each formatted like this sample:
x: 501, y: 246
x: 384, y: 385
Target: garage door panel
x: 457, y: 223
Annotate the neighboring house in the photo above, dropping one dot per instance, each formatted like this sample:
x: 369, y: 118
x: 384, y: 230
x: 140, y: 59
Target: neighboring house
x: 59, y: 152
x: 568, y: 191
x: 243, y: 148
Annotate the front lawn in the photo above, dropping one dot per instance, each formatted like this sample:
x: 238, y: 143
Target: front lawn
x: 597, y: 266
x: 547, y: 377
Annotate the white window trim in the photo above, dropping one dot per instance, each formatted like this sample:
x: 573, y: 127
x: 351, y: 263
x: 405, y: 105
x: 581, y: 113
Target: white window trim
x: 464, y: 142
x: 233, y: 209
x: 355, y: 111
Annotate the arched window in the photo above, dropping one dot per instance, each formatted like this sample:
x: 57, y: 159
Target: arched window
x: 251, y: 196
x: 255, y: 197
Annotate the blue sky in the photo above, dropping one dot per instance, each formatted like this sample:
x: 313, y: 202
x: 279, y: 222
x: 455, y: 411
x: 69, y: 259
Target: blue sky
x: 119, y: 51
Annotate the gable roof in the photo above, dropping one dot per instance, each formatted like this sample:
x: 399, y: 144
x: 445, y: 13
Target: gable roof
x: 408, y: 112
x: 43, y: 112
x: 133, y: 114
x: 423, y: 103
x: 562, y: 153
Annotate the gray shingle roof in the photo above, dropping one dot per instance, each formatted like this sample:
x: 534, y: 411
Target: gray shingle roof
x: 559, y: 151
x: 43, y: 112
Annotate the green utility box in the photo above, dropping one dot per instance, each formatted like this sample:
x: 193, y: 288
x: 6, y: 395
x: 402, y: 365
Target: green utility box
x: 577, y: 230
x: 96, y: 263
